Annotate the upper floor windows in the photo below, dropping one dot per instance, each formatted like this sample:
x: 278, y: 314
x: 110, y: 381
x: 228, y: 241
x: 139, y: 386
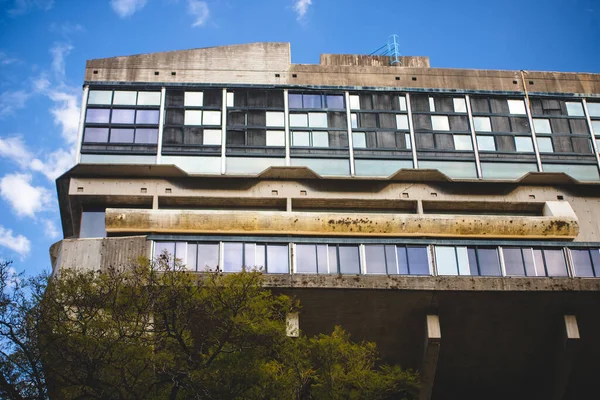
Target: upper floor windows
x: 316, y: 101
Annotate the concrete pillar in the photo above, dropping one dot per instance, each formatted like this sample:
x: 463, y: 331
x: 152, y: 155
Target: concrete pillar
x: 591, y: 129
x: 161, y: 124
x: 223, y: 131
x: 565, y: 355
x: 84, y: 97
x: 473, y: 137
x: 433, y: 338
x: 286, y: 124
x: 349, y: 130
x: 413, y: 144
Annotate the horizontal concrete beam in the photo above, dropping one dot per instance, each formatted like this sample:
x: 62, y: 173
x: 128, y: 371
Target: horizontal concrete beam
x: 339, y: 224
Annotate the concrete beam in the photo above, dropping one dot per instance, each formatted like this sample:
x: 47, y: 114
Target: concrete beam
x: 565, y: 357
x: 339, y: 224
x: 433, y: 339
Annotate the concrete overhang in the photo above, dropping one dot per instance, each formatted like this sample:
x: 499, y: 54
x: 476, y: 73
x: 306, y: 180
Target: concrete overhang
x: 558, y: 225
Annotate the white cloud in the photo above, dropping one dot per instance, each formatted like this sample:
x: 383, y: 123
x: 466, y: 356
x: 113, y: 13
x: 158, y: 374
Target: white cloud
x: 66, y: 113
x: 15, y: 149
x: 301, y: 7
x: 24, y: 198
x: 59, y: 51
x: 126, y: 8
x: 24, y: 6
x: 19, y: 243
x: 66, y: 29
x: 199, y: 10
x: 12, y: 101
x: 6, y: 60
x: 50, y: 229
x: 54, y: 164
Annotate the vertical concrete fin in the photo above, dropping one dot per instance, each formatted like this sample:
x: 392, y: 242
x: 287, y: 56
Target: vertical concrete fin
x: 433, y: 337
x: 565, y: 355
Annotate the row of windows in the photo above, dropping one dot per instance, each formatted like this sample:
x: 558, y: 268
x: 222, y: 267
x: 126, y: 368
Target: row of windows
x: 385, y: 259
x: 123, y: 98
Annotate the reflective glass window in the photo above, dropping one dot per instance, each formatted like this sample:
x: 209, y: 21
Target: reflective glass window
x: 298, y: 120
x: 146, y: 117
x: 97, y: 116
x: 275, y: 118
x: 460, y: 106
x: 402, y: 103
x: 295, y: 100
x: 542, y: 125
x: 122, y: 116
x: 101, y: 97
x: 516, y: 107
x: 482, y: 124
x: 486, y: 143
x: 148, y: 99
x: 593, y: 109
x: 312, y: 101
x: 233, y: 257
x: 462, y: 142
x: 582, y: 263
x: 555, y: 262
x: 355, y: 102
x: 276, y: 138
x: 574, y: 109
x: 320, y: 139
x: 335, y: 101
x: 306, y: 258
x: 193, y: 99
x: 359, y: 140
x: 277, y: 259
x: 440, y: 123
x: 523, y: 144
x: 207, y: 256
x: 349, y: 260
x: 95, y: 135
x: 300, y: 138
x: 317, y: 120
x: 193, y: 117
x: 545, y: 145
x: 211, y: 117
x: 445, y: 258
x: 401, y: 121
x: 376, y: 259
x: 418, y: 260
x: 121, y: 135
x: 212, y: 137
x: 596, y: 127
x: 125, y: 98
x: 93, y: 224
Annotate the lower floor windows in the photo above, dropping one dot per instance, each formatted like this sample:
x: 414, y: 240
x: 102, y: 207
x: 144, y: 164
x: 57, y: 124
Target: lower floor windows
x: 327, y: 259
x: 396, y: 260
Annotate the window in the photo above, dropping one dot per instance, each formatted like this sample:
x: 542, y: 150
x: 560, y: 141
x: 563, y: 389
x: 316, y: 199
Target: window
x: 359, y: 140
x: 212, y: 137
x: 482, y: 124
x: 460, y: 106
x: 275, y: 118
x: 99, y: 135
x: 440, y: 123
x: 354, y: 102
x: 300, y: 138
x: 100, y: 97
x: 93, y: 223
x: 125, y: 98
x: 316, y: 100
x: 272, y: 258
x: 545, y: 145
x: 574, y: 109
x: 298, y: 120
x: 534, y: 262
x: 516, y: 107
x: 394, y: 260
x: 524, y: 144
x: 276, y: 138
x: 593, y: 109
x: 462, y: 142
x: 542, y: 125
x: 202, y: 256
x: 171, y: 252
x: 586, y: 262
x: 193, y: 99
x: 193, y: 117
x: 323, y: 259
x: 97, y: 116
x: 402, y: 121
x: 475, y: 261
x: 596, y: 127
x: 381, y: 259
x: 486, y: 143
x: 317, y: 120
x: 148, y: 99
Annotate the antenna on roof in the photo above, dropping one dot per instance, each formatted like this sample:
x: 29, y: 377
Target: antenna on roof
x: 391, y: 49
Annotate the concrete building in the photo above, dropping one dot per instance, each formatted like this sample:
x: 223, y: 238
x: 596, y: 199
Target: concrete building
x: 450, y: 215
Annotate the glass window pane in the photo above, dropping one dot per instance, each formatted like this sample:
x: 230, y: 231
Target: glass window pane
x: 325, y: 265
x: 486, y: 143
x: 181, y: 252
x: 193, y: 99
x: 582, y: 263
x: 298, y: 120
x: 349, y: 260
x: 95, y: 135
x: 539, y: 264
x: 482, y: 124
x: 277, y: 259
x: 295, y: 100
x: 230, y: 99
x: 354, y: 120
x: 93, y: 224
x: 211, y: 118
x: 208, y: 256
x: 529, y: 258
x: 402, y: 101
x: 596, y: 261
x: 333, y: 259
x: 489, y: 263
x: 146, y: 136
x: 359, y: 140
x: 306, y: 258
x: 403, y: 263
x: 250, y: 256
x: 125, y: 98
x: 320, y: 139
x: 390, y: 259
x: 440, y: 123
x: 335, y: 101
x: 354, y: 102
x: 147, y: 117
x: 275, y: 118
x: 276, y: 138
x: 593, y: 109
x: 555, y: 263
x: 574, y: 109
x: 513, y: 261
x: 100, y: 97
x: 516, y: 107
x: 445, y: 258
x: 542, y: 125
x: 192, y: 252
x: 431, y: 104
x: 418, y: 261
x: 260, y: 257
x: 300, y: 138
x: 122, y: 116
x: 148, y: 98
x: 401, y: 121
x: 463, y: 260
x: 462, y: 142
x: 474, y: 269
x: 161, y: 247
x: 317, y: 120
x: 523, y: 144
x: 375, y: 258
x: 545, y: 145
x: 212, y: 137
x: 460, y: 106
x: 97, y: 116
x: 596, y: 127
x: 233, y: 257
x: 121, y: 135
x: 193, y: 117
x: 311, y: 101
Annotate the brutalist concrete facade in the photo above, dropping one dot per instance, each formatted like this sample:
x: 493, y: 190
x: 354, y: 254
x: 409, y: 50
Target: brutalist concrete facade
x: 452, y: 216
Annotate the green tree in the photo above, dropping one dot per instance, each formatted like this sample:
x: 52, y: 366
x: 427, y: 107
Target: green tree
x: 153, y: 330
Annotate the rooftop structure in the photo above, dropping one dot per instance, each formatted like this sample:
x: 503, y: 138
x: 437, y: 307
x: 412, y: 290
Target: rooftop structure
x: 450, y: 215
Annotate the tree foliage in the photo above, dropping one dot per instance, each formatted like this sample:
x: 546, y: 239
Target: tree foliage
x: 154, y: 331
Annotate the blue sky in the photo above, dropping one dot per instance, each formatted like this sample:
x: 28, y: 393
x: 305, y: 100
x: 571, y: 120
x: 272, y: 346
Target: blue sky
x: 44, y: 45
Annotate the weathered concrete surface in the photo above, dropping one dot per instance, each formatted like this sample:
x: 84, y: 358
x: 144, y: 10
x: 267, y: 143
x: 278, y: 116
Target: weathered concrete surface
x: 373, y: 61
x: 270, y: 64
x: 98, y: 254
x: 339, y: 224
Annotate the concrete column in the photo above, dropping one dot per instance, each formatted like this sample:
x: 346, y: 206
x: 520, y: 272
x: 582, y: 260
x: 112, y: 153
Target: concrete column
x: 288, y: 204
x: 286, y: 122
x: 565, y: 356
x: 350, y: 139
x: 591, y: 129
x: 223, y: 130
x: 161, y: 125
x: 413, y: 144
x: 433, y: 338
x: 84, y: 98
x: 533, y: 135
x: 473, y: 137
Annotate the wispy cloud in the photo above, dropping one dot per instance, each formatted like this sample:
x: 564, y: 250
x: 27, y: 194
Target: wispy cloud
x: 199, y: 11
x: 126, y: 8
x: 66, y: 29
x: 59, y: 51
x: 50, y: 229
x: 25, y: 6
x: 17, y: 243
x: 14, y: 149
x: 24, y: 198
x: 10, y: 101
x: 301, y: 8
x: 6, y: 60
